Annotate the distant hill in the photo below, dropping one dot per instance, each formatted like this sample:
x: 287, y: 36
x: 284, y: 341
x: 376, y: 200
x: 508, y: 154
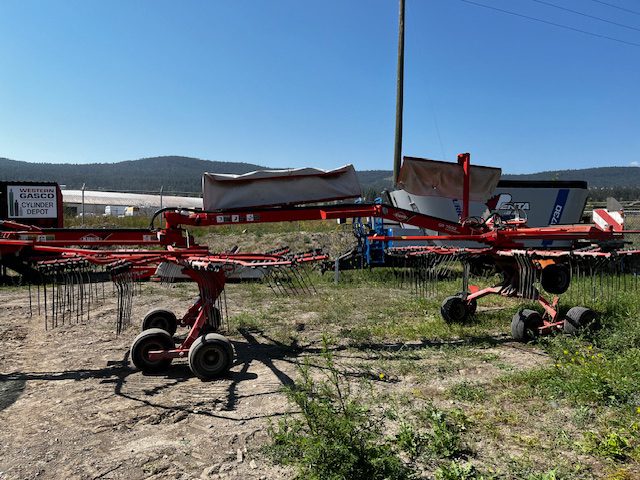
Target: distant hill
x: 176, y: 174
x: 183, y: 174
x: 600, y: 177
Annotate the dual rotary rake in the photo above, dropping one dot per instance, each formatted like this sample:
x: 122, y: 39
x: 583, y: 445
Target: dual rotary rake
x: 69, y: 267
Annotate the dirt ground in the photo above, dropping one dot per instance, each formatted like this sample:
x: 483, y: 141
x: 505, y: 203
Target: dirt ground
x: 72, y: 406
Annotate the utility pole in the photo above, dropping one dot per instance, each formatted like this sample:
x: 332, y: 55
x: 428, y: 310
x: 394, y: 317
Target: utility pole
x: 397, y: 154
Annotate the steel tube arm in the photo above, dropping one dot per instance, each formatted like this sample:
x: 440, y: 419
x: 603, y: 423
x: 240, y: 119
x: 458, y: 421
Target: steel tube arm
x: 176, y: 219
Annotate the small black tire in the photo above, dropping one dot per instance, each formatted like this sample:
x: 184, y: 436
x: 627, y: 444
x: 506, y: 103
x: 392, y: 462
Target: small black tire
x: 454, y: 310
x: 556, y: 278
x: 148, y: 340
x: 525, y: 325
x: 579, y: 319
x: 210, y: 356
x: 160, y: 318
x: 472, y: 306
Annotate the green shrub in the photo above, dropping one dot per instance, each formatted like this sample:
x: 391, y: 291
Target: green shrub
x: 442, y: 435
x: 456, y: 471
x: 614, y: 444
x: 444, y: 439
x: 336, y: 436
x: 411, y: 441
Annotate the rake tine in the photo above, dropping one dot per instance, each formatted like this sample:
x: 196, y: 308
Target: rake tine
x: 267, y: 276
x: 279, y: 281
x: 299, y: 272
x: 286, y: 272
x: 305, y: 271
x: 30, y: 301
x: 46, y: 312
x: 56, y: 300
x: 63, y: 294
x: 299, y: 281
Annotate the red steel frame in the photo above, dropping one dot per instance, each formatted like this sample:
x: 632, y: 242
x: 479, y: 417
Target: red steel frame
x: 550, y: 308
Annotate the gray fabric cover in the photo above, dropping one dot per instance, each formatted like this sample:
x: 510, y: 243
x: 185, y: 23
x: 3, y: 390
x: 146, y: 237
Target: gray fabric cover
x: 278, y: 187
x: 434, y: 178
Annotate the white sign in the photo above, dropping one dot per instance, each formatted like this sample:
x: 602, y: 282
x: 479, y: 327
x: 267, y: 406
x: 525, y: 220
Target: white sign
x: 32, y: 201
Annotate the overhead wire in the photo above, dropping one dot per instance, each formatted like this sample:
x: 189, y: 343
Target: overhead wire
x: 616, y: 6
x: 586, y: 15
x: 547, y: 22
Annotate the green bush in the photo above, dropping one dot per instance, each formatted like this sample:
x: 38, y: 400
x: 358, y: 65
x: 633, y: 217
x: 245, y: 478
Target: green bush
x: 614, y: 444
x: 411, y: 441
x: 456, y: 471
x: 335, y: 436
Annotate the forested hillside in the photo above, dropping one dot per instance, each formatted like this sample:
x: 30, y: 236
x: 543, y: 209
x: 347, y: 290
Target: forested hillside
x: 183, y: 174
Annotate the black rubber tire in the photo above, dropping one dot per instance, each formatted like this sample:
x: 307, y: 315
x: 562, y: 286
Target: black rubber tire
x: 472, y: 306
x: 160, y: 318
x: 578, y: 319
x: 454, y: 310
x: 151, y: 339
x: 525, y: 324
x: 555, y: 278
x: 210, y: 356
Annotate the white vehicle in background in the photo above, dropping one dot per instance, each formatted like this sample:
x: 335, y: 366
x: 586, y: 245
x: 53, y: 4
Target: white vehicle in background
x: 115, y: 210
x: 132, y: 211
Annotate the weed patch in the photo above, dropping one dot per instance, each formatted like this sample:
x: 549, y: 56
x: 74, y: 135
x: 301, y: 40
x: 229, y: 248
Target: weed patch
x: 467, y: 391
x: 621, y: 444
x: 336, y: 436
x: 457, y: 471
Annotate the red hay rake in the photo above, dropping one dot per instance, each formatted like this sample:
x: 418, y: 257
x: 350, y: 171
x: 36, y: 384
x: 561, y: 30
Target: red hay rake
x: 71, y: 266
x: 68, y: 273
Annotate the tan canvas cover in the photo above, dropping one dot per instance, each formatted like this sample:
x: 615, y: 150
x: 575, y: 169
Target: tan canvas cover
x: 278, y: 187
x: 434, y: 178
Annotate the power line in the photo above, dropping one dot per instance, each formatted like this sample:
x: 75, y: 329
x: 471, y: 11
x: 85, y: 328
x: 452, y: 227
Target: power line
x: 616, y: 6
x: 559, y: 25
x: 586, y: 15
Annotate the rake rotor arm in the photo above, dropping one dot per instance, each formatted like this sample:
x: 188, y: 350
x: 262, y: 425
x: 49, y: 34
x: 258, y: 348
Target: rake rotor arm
x: 175, y: 219
x: 93, y: 237
x: 511, y: 237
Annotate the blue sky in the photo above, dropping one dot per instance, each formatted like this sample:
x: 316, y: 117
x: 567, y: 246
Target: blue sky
x: 312, y: 83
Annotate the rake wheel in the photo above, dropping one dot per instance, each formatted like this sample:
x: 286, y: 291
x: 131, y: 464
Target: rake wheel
x: 525, y: 324
x: 210, y: 356
x: 578, y: 319
x: 472, y: 306
x: 454, y: 309
x: 147, y: 341
x: 556, y: 278
x: 162, y: 319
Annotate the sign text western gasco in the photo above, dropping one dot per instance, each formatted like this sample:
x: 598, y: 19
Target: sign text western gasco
x: 32, y: 201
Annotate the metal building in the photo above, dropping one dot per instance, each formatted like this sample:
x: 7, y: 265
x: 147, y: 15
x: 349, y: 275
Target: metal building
x: 94, y: 202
